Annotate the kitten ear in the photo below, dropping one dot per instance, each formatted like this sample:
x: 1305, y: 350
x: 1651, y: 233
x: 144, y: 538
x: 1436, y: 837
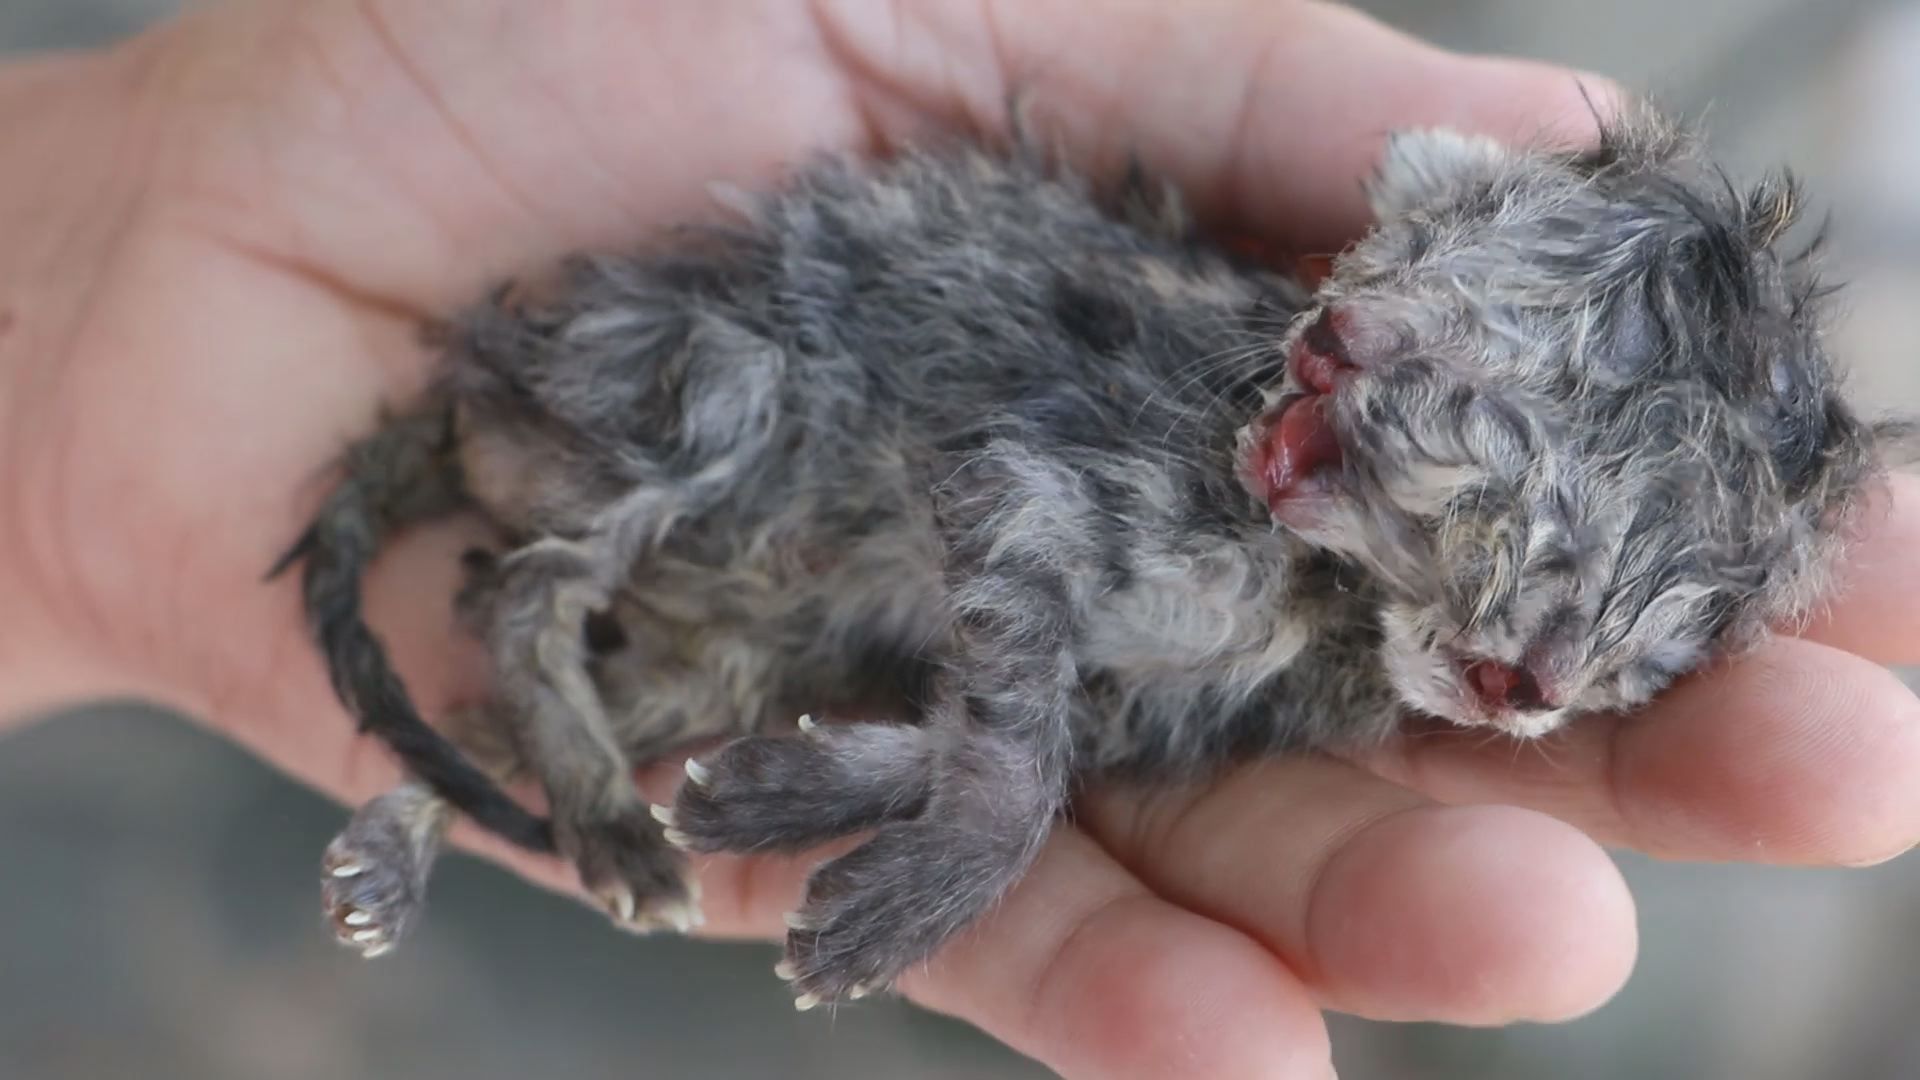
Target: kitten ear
x: 1428, y: 166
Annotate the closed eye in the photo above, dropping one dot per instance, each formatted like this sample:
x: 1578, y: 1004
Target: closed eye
x: 1419, y: 241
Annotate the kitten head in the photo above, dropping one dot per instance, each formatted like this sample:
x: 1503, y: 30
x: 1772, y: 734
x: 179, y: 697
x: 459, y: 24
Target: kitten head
x: 1571, y: 413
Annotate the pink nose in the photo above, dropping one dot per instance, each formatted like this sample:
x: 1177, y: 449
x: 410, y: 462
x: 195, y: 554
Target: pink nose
x: 1503, y: 689
x: 1320, y: 358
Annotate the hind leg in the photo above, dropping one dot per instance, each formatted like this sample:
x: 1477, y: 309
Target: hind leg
x: 373, y: 884
x: 542, y: 639
x: 373, y: 877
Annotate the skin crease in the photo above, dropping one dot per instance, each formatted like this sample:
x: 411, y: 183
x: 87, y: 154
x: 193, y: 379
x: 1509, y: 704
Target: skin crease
x: 227, y: 228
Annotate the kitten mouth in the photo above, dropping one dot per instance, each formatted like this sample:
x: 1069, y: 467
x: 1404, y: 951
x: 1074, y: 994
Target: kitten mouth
x: 1504, y: 689
x: 1296, y: 453
x: 1511, y: 698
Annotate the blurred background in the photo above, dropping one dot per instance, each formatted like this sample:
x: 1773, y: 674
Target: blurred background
x: 161, y: 919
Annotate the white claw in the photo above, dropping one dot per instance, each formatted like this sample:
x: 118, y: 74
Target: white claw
x: 794, y: 921
x: 806, y: 723
x: 859, y: 992
x: 352, y: 869
x: 662, y: 814
x: 357, y: 918
x: 372, y: 951
x: 806, y: 1001
x: 677, y: 838
x: 620, y: 902
x: 785, y: 970
x: 682, y: 917
x: 698, y: 773
x: 368, y: 937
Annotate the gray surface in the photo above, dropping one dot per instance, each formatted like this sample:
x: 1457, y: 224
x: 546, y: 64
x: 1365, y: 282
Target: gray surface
x: 159, y: 915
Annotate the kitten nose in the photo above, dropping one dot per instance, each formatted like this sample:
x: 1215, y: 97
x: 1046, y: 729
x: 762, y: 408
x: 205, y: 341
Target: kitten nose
x: 1321, y: 360
x: 1502, y: 688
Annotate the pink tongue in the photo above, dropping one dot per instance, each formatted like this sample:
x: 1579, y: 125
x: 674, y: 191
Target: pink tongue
x: 1303, y: 442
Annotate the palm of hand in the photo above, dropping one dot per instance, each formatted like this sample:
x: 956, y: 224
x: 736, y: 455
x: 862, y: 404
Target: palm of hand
x: 335, y: 172
x: 303, y: 222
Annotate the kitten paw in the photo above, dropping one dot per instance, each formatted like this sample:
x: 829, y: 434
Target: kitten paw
x: 764, y: 793
x: 372, y: 893
x: 886, y: 905
x: 628, y: 865
x: 919, y: 878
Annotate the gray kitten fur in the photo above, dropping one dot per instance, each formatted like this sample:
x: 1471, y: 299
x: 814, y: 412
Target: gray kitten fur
x: 959, y: 438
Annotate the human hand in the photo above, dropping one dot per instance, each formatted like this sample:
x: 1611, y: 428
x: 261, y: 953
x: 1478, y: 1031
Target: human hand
x: 292, y: 187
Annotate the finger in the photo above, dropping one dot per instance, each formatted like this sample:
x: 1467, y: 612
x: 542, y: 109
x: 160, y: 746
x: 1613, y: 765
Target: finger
x: 1268, y: 115
x: 1084, y: 969
x: 1875, y: 611
x: 1390, y: 907
x: 1087, y: 971
x: 1799, y: 754
x: 1079, y: 966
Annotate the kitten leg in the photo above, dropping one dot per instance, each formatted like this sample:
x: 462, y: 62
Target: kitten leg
x: 994, y: 795
x: 783, y: 794
x: 991, y: 769
x: 373, y: 877
x: 546, y: 596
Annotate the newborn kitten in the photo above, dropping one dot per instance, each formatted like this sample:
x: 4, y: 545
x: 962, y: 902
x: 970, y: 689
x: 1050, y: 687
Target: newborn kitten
x: 1069, y: 494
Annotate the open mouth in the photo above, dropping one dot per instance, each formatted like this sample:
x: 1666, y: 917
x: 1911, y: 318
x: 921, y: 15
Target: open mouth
x: 1503, y: 689
x: 1296, y: 453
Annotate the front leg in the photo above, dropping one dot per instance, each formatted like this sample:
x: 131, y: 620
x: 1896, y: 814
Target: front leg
x: 961, y: 805
x: 992, y: 798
